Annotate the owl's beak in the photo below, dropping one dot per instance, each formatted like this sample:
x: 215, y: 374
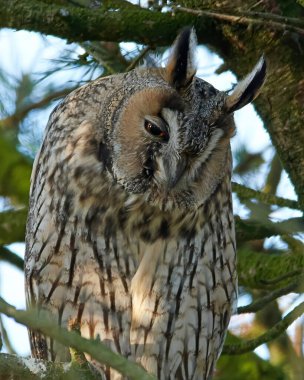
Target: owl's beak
x: 174, y: 168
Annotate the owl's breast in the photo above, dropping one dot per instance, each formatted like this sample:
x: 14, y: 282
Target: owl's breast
x: 183, y: 294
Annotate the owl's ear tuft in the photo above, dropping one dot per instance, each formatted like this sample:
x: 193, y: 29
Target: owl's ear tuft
x: 248, y: 89
x: 181, y: 66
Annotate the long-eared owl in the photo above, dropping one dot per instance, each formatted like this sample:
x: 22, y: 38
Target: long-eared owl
x: 130, y: 231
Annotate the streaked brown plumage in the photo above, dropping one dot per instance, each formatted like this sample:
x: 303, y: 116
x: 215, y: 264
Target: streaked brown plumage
x: 130, y: 231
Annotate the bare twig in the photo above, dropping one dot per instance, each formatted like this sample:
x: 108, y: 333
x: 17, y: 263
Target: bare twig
x: 241, y: 19
x: 273, y: 16
x: 138, y: 58
x: 13, y: 120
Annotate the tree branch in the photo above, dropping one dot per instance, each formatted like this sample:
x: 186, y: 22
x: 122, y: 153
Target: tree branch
x: 97, y: 350
x: 246, y: 193
x: 13, y: 120
x: 260, y: 19
x: 271, y: 334
x: 17, y: 368
x: 266, y: 270
x: 11, y: 257
x: 5, y: 338
x: 264, y: 301
x: 301, y: 2
x: 260, y: 229
x: 107, y: 54
x: 117, y: 21
x: 138, y: 58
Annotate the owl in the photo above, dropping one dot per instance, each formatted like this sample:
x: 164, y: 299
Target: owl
x: 130, y: 233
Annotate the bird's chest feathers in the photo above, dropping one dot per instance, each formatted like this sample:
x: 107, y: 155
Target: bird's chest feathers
x: 171, y: 273
x: 162, y: 256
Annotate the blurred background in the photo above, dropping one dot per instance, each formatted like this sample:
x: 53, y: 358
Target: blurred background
x: 36, y: 72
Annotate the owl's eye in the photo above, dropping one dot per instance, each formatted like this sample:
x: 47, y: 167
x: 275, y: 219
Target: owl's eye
x: 156, y: 131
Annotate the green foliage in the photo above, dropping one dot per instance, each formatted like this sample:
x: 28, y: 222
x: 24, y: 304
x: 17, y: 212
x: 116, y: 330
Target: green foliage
x: 248, y: 366
x: 15, y: 170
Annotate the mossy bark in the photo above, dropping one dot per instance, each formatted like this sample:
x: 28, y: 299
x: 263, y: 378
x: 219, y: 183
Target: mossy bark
x: 269, y: 271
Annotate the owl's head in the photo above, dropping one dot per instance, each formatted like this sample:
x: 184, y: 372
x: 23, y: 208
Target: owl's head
x: 170, y: 138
